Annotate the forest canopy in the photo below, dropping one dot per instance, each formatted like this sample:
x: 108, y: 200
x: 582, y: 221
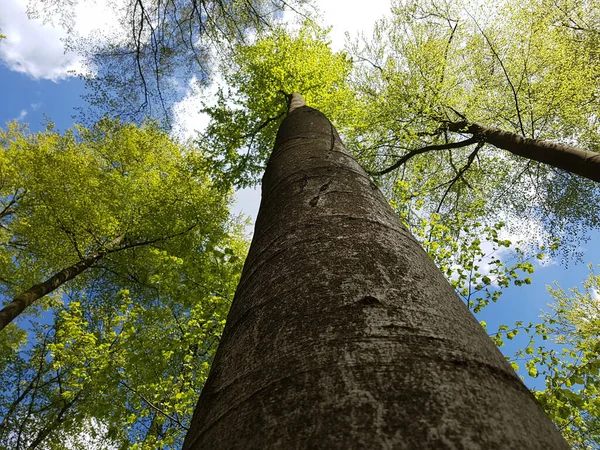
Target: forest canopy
x: 120, y: 256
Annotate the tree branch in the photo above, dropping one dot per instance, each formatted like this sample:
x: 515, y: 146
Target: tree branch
x: 152, y: 405
x: 512, y: 87
x: 460, y: 174
x: 575, y: 160
x: 425, y: 149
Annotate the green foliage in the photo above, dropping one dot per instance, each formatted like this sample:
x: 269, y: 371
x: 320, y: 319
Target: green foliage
x: 258, y: 80
x: 122, y: 354
x: 518, y: 66
x: 473, y: 256
x: 563, y: 349
x: 65, y: 196
x: 137, y: 367
x: 572, y: 375
x: 129, y: 360
x: 526, y: 67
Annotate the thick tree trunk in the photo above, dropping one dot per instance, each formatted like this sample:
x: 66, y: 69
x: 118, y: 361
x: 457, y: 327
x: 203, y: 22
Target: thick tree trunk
x: 343, y: 334
x: 26, y: 298
x: 572, y: 159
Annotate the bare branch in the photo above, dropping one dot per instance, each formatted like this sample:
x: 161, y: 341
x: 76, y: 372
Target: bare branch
x: 426, y: 149
x: 460, y: 174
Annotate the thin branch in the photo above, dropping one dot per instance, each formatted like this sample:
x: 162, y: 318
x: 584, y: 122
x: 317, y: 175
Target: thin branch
x: 447, y: 49
x: 138, y: 51
x: 152, y: 405
x: 512, y: 87
x: 375, y: 65
x: 460, y: 173
x: 426, y: 149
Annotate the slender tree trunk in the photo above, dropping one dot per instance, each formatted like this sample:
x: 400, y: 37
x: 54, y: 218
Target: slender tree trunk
x: 572, y: 159
x: 343, y: 334
x: 26, y: 298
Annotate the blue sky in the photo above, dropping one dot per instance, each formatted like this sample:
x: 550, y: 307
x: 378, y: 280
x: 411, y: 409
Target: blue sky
x: 34, y: 83
x: 29, y: 100
x: 525, y: 302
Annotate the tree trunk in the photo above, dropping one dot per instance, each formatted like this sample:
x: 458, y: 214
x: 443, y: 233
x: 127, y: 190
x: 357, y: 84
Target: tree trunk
x: 571, y: 159
x: 23, y: 300
x: 343, y: 333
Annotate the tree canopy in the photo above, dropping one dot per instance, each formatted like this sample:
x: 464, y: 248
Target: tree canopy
x: 431, y: 68
x: 144, y: 63
x: 141, y: 322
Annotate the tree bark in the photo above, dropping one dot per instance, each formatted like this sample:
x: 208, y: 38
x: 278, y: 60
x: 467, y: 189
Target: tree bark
x: 571, y: 159
x: 26, y: 298
x: 343, y: 333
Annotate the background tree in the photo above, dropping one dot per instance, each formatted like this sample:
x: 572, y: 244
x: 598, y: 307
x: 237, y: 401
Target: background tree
x: 563, y: 349
x: 107, y: 191
x: 142, y: 66
x: 434, y: 71
x: 120, y: 367
x: 130, y: 340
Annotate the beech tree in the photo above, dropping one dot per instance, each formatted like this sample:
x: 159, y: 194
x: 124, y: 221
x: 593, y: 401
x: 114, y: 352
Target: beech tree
x: 122, y: 349
x: 484, y: 94
x: 70, y: 201
x: 141, y: 66
x: 343, y: 332
x: 251, y: 107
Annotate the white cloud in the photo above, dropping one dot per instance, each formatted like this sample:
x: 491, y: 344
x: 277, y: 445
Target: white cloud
x: 21, y: 115
x: 32, y: 47
x: 92, y: 436
x: 351, y: 16
x: 345, y: 16
x: 188, y: 120
x: 37, y: 48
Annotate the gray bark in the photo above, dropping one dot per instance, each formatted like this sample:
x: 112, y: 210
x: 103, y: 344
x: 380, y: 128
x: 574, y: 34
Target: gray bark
x: 343, y: 334
x: 12, y: 309
x: 571, y: 159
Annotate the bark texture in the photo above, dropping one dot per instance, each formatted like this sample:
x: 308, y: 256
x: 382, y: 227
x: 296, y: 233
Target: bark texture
x: 572, y: 159
x: 26, y: 298
x: 343, y: 334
